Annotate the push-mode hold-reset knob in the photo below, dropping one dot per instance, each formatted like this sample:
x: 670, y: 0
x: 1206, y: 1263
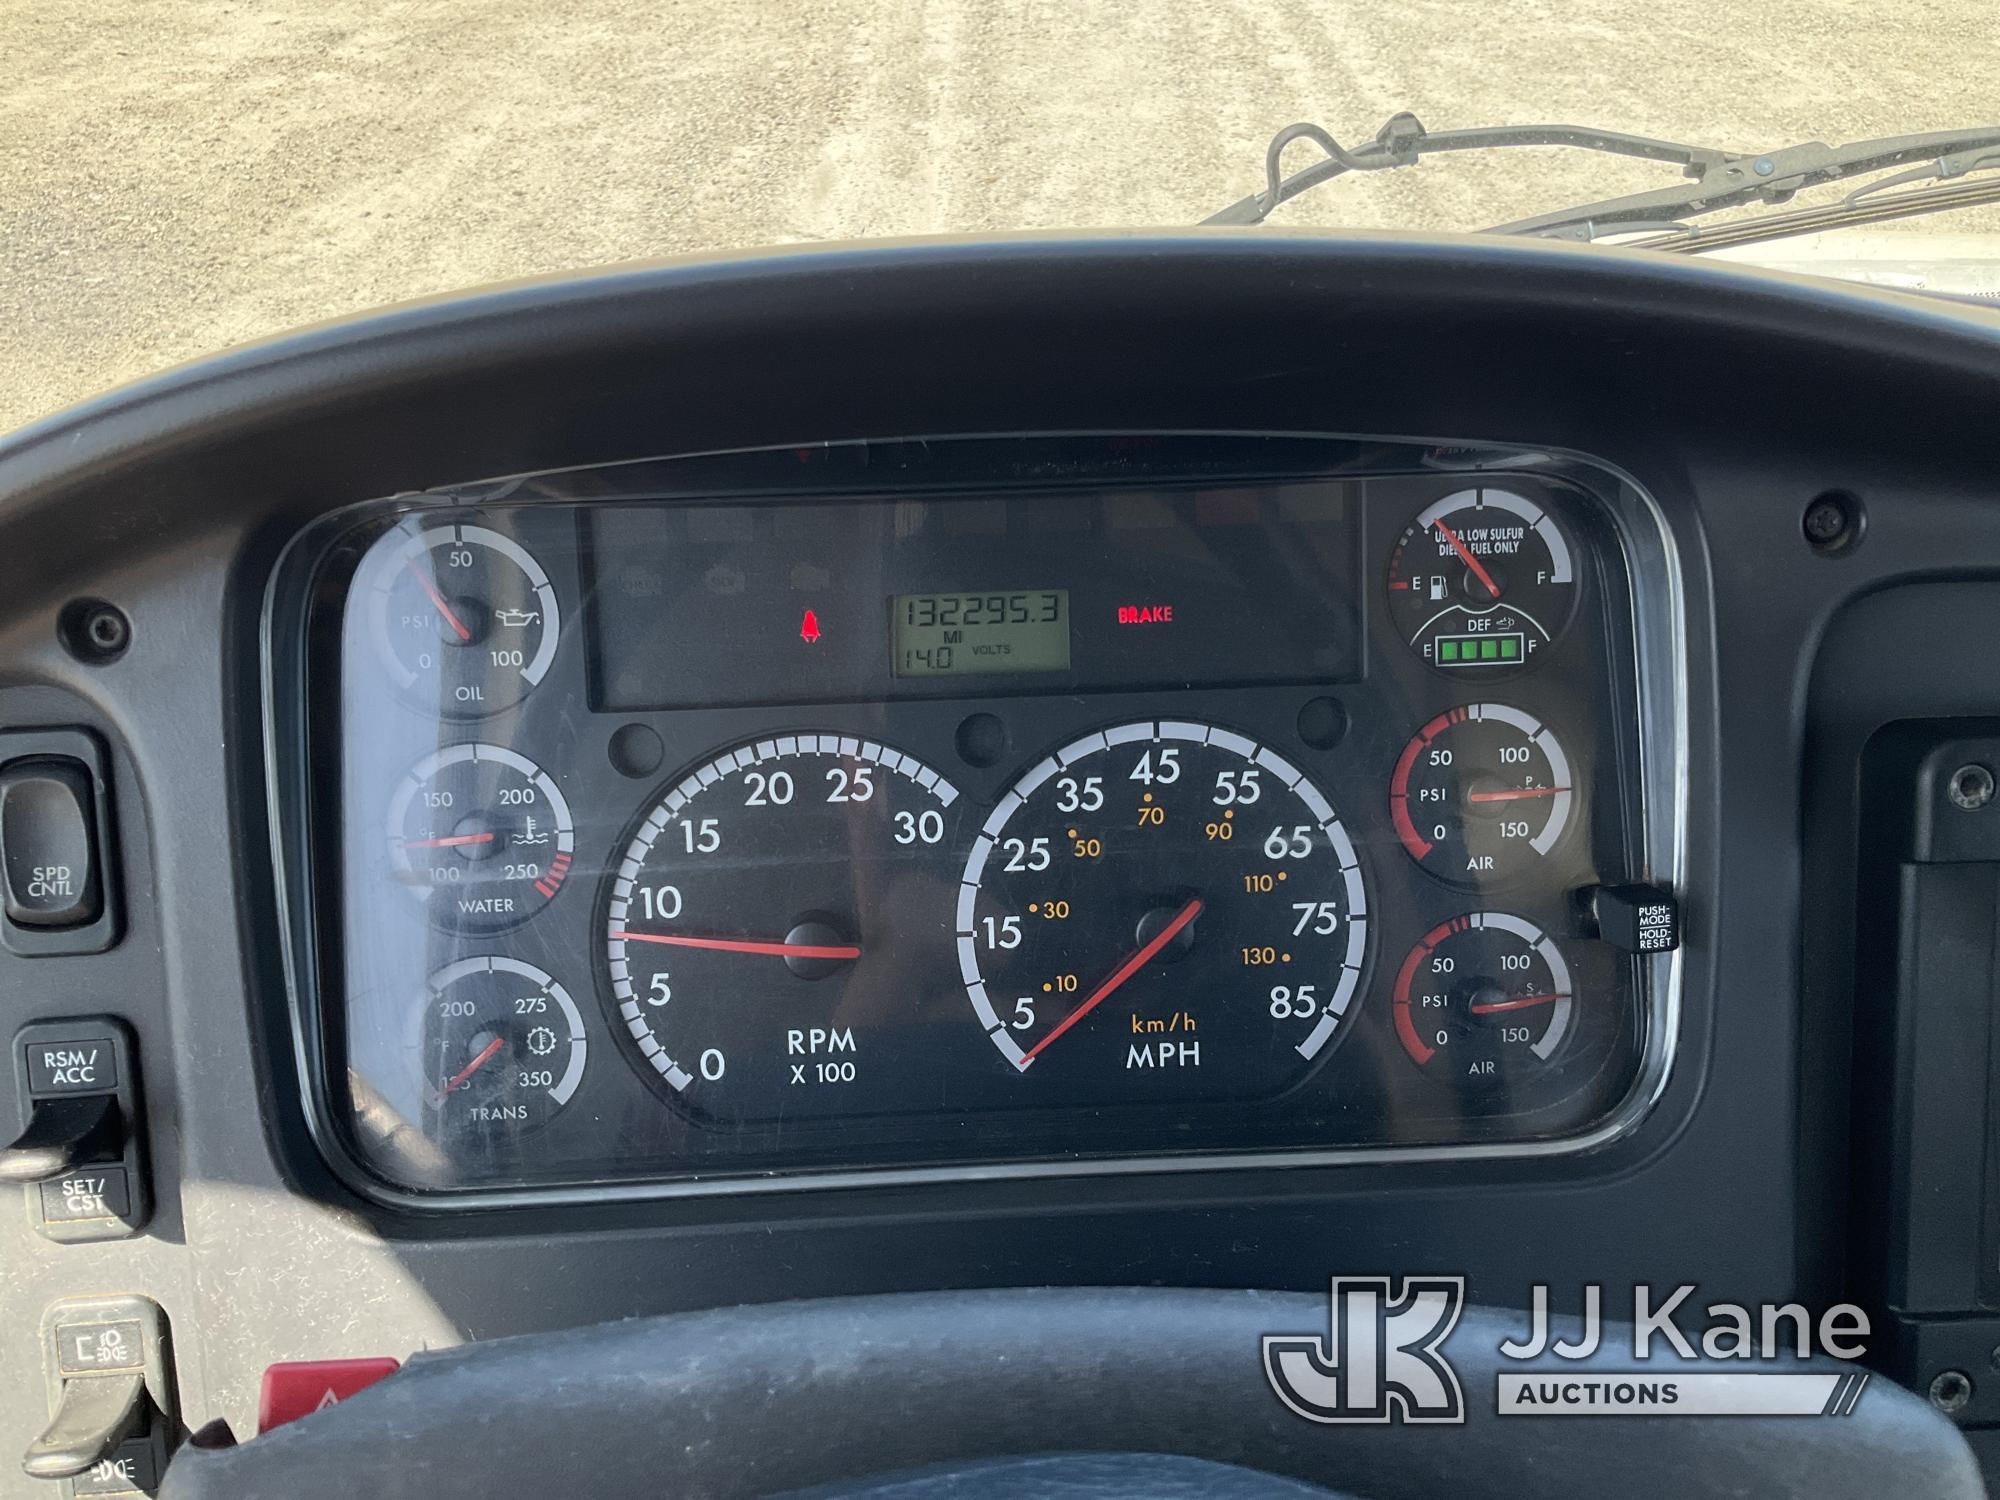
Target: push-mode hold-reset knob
x: 63, y: 1133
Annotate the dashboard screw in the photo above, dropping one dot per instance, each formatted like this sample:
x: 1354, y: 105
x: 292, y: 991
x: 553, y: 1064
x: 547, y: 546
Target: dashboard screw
x: 1832, y: 523
x: 93, y: 632
x: 1951, y: 1391
x: 1970, y: 788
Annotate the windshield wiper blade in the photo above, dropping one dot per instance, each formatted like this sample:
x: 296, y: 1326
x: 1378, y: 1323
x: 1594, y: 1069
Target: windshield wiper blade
x: 1718, y: 179
x: 1873, y: 204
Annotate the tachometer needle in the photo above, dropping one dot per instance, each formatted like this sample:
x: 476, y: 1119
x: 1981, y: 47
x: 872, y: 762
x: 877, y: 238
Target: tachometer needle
x: 485, y: 1056
x: 455, y: 841
x: 1516, y: 1002
x: 1465, y: 555
x: 737, y: 945
x: 1119, y: 975
x: 444, y: 609
x: 1515, y: 794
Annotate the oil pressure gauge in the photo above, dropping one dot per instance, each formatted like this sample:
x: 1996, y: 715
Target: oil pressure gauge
x: 464, y: 619
x: 1481, y: 582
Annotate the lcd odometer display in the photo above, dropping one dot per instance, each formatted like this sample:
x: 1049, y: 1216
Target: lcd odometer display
x: 942, y: 635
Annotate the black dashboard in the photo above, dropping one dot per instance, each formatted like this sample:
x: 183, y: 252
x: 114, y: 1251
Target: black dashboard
x: 1190, y: 761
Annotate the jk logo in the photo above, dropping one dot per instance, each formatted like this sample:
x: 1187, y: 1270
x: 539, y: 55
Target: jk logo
x: 1380, y: 1360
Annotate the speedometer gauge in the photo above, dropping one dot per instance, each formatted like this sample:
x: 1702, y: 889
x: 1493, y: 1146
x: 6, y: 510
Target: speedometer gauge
x: 1481, y: 582
x: 1163, y: 907
x: 775, y: 917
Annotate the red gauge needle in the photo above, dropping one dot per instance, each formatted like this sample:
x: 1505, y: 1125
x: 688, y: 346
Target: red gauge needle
x: 452, y: 842
x: 1518, y: 1002
x: 1122, y: 973
x: 736, y: 945
x: 458, y: 625
x: 1515, y: 794
x: 1466, y: 556
x: 485, y: 1056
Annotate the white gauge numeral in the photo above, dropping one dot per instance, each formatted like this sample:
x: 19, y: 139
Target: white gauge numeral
x: 1289, y: 843
x: 1236, y: 788
x: 768, y: 790
x: 662, y: 903
x: 1162, y: 766
x: 926, y: 827
x: 1086, y: 795
x: 1288, y: 1004
x: 857, y: 785
x: 702, y: 837
x: 1002, y: 932
x: 1026, y: 854
x: 1321, y: 916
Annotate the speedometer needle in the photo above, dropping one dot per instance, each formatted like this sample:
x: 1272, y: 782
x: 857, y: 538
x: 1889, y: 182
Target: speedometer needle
x: 737, y: 945
x: 485, y: 1056
x: 1122, y: 973
x: 1465, y: 555
x: 1517, y: 1002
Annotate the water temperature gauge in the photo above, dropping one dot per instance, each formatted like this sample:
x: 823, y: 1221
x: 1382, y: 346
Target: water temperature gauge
x: 481, y: 835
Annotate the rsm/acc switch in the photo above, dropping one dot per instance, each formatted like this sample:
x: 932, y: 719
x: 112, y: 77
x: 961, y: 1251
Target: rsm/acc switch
x: 80, y: 1150
x: 58, y: 892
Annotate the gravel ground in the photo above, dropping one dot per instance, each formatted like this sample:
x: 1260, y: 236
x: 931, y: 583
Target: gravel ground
x: 177, y: 177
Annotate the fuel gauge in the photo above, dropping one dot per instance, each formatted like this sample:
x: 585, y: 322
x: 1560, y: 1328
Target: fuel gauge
x: 1481, y: 582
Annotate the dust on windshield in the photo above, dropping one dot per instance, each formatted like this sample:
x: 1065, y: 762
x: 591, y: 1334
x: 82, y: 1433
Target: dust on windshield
x: 176, y: 178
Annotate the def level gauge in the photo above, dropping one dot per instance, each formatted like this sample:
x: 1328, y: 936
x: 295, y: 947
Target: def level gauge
x: 1481, y: 582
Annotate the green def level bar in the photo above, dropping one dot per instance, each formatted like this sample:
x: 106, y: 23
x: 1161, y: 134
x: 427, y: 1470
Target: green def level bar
x: 1479, y: 650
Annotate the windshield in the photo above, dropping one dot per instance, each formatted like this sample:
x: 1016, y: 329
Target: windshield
x: 177, y: 178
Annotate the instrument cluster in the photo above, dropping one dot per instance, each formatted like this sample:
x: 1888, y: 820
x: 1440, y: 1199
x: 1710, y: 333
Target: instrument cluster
x: 669, y: 837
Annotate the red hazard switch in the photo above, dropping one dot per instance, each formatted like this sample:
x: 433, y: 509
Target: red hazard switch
x: 301, y: 1387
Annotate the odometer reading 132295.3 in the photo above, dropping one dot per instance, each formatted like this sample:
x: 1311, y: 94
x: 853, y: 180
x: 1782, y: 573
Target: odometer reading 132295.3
x: 1170, y: 904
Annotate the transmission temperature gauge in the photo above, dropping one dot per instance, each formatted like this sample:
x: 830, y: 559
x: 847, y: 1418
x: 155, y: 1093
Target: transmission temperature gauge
x: 502, y: 1049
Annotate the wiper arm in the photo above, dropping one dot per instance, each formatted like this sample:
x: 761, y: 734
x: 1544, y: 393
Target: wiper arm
x: 1718, y: 179
x: 1403, y: 141
x: 1873, y: 204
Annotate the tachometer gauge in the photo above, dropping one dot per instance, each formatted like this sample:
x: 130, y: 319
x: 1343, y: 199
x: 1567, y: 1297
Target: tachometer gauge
x: 1162, y: 907
x: 502, y: 1049
x: 1481, y: 582
x: 464, y: 619
x: 774, y: 923
x: 1484, y: 1001
x: 1481, y: 794
x: 482, y: 835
